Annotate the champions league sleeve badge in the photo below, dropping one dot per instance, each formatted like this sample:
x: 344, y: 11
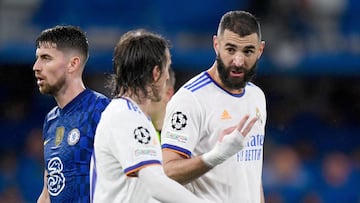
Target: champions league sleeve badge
x: 73, y: 136
x: 178, y: 120
x: 142, y: 135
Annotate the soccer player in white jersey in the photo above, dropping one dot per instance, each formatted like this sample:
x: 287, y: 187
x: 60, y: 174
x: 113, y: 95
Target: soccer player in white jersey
x: 222, y: 168
x: 126, y: 164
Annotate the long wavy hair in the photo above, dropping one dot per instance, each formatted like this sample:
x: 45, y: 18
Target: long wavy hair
x: 135, y: 56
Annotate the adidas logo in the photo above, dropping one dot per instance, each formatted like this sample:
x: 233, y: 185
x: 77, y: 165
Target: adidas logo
x: 225, y: 115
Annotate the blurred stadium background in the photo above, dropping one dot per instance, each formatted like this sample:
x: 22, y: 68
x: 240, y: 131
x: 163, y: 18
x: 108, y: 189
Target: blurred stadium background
x: 310, y: 73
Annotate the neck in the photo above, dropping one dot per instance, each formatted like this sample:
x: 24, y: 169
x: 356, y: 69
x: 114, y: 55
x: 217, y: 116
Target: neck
x: 67, y: 94
x: 158, y: 122
x: 141, y: 101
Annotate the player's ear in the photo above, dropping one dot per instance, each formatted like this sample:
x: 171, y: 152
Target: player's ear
x: 261, y: 48
x: 156, y: 73
x: 74, y: 63
x: 216, y: 44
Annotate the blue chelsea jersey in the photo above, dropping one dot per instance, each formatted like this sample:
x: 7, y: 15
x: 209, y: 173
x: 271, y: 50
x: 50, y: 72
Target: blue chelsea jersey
x: 68, y: 146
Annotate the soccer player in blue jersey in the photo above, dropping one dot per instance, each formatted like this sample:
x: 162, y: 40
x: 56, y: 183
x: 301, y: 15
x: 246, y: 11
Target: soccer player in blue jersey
x: 69, y: 128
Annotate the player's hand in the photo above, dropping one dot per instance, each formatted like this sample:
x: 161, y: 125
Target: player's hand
x: 230, y: 142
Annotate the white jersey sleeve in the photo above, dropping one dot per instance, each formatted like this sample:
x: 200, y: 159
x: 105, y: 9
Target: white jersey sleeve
x: 175, y: 192
x: 181, y: 131
x: 134, y: 143
x: 125, y: 142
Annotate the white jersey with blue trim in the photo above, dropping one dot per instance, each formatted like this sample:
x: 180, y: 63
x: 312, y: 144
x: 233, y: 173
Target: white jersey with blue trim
x: 125, y: 141
x: 196, y: 115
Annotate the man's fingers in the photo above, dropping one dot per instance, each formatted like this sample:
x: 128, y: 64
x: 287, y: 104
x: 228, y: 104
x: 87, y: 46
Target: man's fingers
x: 242, y: 123
x: 249, y: 126
x: 245, y: 130
x: 226, y: 132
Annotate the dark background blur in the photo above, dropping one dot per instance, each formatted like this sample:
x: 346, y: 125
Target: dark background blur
x: 310, y: 73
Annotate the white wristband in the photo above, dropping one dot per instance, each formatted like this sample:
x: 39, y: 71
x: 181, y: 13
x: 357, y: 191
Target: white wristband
x: 212, y: 159
x: 231, y: 144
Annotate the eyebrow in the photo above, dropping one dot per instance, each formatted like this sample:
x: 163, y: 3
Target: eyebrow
x: 235, y: 46
x: 230, y: 45
x: 250, y: 47
x: 42, y: 55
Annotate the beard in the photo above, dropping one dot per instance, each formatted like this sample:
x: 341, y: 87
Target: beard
x: 231, y: 82
x: 52, y: 89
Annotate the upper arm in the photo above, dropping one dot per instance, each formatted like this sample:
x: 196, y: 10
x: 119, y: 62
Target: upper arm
x: 134, y: 144
x: 157, y: 182
x: 168, y: 156
x: 182, y: 169
x: 262, y: 196
x: 182, y: 124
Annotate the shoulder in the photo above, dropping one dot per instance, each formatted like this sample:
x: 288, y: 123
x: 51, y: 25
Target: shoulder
x: 254, y: 88
x: 122, y: 106
x: 123, y: 114
x: 256, y: 92
x: 195, y: 86
x: 53, y: 113
x: 198, y: 82
x: 100, y: 101
x: 98, y: 96
x: 191, y: 94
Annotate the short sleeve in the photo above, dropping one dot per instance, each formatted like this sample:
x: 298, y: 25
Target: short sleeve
x: 135, y: 142
x: 182, y: 124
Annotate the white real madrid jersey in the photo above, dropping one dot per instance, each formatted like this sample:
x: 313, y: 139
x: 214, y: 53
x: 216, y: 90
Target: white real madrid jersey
x: 125, y: 141
x: 194, y: 118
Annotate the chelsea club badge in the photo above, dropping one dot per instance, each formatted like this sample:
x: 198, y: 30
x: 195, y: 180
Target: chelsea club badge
x: 73, y: 136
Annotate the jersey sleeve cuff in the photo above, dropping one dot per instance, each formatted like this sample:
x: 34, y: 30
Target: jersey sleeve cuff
x: 184, y: 152
x: 132, y: 170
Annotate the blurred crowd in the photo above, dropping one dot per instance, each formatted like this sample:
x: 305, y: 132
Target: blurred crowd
x: 312, y: 146
x: 308, y: 34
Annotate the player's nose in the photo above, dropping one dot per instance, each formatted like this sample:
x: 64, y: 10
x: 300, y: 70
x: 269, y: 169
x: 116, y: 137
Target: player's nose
x: 238, y: 60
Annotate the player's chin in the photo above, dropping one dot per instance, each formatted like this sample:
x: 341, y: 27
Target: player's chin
x: 237, y: 84
x: 44, y: 90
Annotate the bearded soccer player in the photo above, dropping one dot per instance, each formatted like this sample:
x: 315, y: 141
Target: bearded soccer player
x: 196, y: 153
x: 69, y: 128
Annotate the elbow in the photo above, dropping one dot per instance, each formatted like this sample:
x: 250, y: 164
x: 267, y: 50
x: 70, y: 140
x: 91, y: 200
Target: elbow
x: 174, y: 174
x: 168, y: 170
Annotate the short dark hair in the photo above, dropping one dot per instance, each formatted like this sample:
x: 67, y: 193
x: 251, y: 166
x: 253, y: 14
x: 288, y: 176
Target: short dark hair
x: 242, y: 23
x: 135, y: 56
x: 65, y: 37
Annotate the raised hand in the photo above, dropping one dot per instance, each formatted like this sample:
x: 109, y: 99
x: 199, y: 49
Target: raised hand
x: 231, y: 141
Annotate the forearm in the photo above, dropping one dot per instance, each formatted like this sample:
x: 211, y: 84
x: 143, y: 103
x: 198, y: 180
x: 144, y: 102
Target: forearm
x: 262, y: 196
x: 163, y: 188
x: 184, y: 170
x: 231, y: 140
x: 44, y: 196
